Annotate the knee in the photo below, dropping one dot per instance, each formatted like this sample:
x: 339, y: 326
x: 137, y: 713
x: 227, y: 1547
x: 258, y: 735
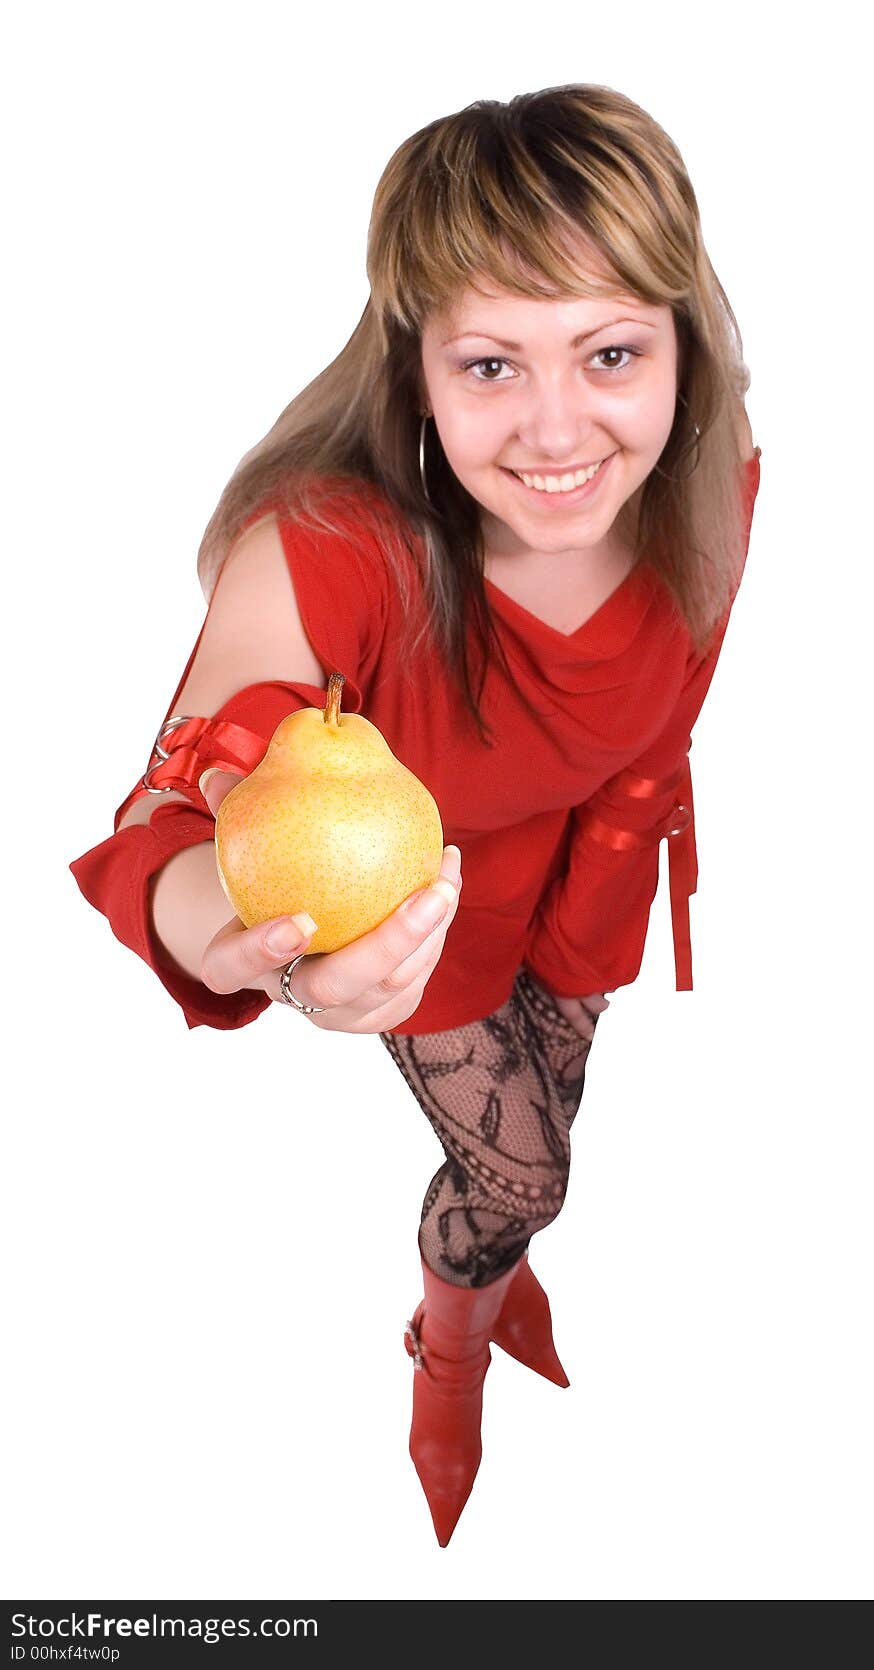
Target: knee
x: 555, y: 1194
x: 537, y: 1199
x: 522, y: 1194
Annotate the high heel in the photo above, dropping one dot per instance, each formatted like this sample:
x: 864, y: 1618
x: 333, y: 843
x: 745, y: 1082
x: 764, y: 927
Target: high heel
x: 524, y: 1326
x: 448, y: 1340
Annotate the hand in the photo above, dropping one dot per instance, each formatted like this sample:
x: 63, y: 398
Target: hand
x: 370, y: 985
x: 582, y: 1011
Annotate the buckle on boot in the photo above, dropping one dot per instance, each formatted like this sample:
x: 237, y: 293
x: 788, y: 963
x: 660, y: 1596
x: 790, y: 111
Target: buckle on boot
x: 411, y: 1341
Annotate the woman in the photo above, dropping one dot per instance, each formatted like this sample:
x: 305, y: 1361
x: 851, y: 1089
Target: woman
x: 530, y: 463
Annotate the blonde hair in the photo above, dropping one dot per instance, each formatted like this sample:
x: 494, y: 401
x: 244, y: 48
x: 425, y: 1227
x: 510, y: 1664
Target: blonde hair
x: 512, y: 191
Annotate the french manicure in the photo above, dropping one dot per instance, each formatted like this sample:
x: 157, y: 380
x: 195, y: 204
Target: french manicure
x: 289, y: 936
x: 430, y: 907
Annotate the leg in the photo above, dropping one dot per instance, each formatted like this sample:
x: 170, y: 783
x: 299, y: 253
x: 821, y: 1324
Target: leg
x: 501, y: 1094
x: 532, y: 1025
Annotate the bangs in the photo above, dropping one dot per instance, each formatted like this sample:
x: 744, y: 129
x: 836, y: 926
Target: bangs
x: 504, y: 194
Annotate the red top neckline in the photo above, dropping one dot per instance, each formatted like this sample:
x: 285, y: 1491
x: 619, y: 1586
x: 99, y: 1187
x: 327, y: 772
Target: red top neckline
x: 614, y: 624
x: 638, y: 579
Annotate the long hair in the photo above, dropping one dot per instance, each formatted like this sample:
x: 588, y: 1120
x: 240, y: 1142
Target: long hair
x: 510, y: 190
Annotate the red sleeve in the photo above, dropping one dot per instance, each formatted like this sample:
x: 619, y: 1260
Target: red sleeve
x: 115, y: 877
x: 589, y: 931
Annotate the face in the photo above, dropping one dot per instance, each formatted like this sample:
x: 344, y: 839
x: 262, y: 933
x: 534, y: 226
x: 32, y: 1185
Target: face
x: 545, y: 386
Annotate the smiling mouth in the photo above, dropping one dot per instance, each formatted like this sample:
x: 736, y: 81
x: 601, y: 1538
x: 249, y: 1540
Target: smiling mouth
x: 560, y: 485
x: 545, y: 470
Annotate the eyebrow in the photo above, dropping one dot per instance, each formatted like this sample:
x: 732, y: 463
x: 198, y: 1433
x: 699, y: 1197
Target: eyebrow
x: 516, y: 347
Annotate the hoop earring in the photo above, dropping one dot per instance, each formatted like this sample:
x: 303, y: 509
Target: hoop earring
x: 422, y: 456
x: 696, y: 444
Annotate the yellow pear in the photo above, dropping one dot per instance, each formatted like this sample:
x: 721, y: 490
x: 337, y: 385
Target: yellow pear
x: 330, y: 822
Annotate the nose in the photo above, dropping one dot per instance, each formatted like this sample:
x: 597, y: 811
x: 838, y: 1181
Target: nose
x: 557, y: 424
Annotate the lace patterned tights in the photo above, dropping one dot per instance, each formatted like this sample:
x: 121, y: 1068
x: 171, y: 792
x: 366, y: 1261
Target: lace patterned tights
x: 501, y: 1094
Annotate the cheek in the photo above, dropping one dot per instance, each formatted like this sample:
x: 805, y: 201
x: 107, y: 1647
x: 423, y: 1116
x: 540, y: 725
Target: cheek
x: 471, y: 436
x: 661, y: 409
x: 648, y: 406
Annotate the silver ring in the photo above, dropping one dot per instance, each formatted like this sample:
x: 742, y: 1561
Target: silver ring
x: 288, y: 995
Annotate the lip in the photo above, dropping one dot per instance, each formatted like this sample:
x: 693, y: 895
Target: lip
x: 560, y: 500
x: 556, y: 469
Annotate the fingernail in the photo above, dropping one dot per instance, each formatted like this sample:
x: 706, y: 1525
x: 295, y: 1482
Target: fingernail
x: 426, y: 910
x: 452, y: 862
x: 289, y: 936
x: 204, y: 778
x: 429, y: 908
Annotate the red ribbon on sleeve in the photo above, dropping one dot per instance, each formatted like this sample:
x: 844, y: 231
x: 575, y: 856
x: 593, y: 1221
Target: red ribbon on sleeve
x: 186, y: 746
x: 679, y: 829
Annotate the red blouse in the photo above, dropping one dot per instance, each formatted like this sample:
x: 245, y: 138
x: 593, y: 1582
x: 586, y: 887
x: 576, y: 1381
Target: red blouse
x: 558, y: 824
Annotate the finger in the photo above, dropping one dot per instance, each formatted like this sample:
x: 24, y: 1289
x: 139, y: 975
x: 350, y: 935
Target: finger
x: 338, y: 979
x: 215, y: 784
x: 402, y: 989
x: 237, y: 957
x: 391, y: 1014
x: 419, y: 966
x: 596, y: 1003
x: 575, y: 1015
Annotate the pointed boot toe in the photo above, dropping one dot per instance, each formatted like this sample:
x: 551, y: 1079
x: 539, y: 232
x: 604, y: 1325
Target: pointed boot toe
x: 524, y: 1326
x: 448, y: 1339
x: 447, y: 1479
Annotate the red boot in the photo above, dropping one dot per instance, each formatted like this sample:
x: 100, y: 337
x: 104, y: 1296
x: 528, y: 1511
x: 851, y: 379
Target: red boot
x: 524, y: 1327
x: 448, y: 1339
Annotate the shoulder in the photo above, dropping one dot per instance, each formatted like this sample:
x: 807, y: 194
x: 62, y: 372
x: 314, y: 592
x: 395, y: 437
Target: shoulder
x: 320, y: 507
x: 354, y: 503
x: 254, y: 630
x: 349, y: 526
x: 349, y: 550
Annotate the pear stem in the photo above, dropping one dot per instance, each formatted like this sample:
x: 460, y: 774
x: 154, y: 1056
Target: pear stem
x: 331, y: 714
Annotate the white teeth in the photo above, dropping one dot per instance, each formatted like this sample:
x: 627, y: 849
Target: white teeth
x: 559, y: 484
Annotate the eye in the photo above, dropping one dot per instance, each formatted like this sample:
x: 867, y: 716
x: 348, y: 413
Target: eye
x: 615, y: 348
x: 471, y: 364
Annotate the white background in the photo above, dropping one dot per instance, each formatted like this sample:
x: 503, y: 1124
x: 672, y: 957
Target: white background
x: 210, y: 1237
